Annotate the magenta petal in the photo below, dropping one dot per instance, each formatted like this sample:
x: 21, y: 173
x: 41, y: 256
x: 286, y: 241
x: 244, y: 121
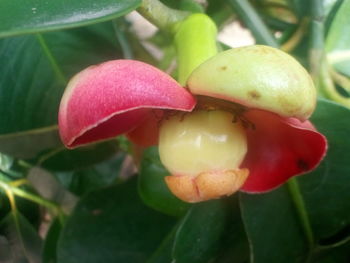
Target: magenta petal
x: 279, y: 148
x: 112, y: 98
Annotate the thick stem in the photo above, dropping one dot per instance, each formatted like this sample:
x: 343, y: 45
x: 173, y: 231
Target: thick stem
x: 253, y: 21
x: 160, y: 15
x: 316, y: 55
x: 195, y: 42
x: 299, y: 204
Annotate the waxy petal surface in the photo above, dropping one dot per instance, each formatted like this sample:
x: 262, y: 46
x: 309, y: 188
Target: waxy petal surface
x: 257, y: 77
x: 279, y: 148
x: 113, y: 98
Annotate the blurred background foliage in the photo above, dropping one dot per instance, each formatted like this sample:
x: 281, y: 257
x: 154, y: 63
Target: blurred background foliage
x: 88, y: 205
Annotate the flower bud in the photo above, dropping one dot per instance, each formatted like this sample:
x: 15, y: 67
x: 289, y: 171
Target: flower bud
x: 258, y: 77
x: 203, y: 151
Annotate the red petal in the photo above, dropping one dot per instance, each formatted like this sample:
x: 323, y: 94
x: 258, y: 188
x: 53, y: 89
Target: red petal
x: 112, y: 98
x: 279, y: 148
x: 147, y: 133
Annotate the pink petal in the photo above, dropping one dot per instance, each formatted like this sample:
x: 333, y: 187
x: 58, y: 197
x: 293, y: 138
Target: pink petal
x: 147, y: 133
x: 114, y: 97
x: 279, y: 148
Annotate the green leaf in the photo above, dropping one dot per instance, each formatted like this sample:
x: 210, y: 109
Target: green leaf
x: 273, y: 227
x: 113, y: 225
x: 63, y: 159
x: 93, y: 178
x: 234, y: 246
x: 329, y: 184
x: 273, y: 216
x: 336, y: 255
x: 338, y: 40
x: 164, y: 252
x: 23, y: 241
x: 30, y: 91
x: 31, y: 16
x: 199, y: 237
x: 33, y: 73
x: 51, y: 239
x: 152, y: 187
x: 6, y: 162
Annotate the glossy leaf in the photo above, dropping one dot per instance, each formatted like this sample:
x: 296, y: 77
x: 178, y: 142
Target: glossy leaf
x: 152, y: 188
x: 24, y: 242
x: 33, y: 72
x: 164, y: 252
x: 338, y: 254
x: 100, y: 175
x: 273, y: 216
x: 30, y: 91
x: 234, y: 246
x: 34, y: 16
x: 113, y: 225
x: 200, y: 235
x: 51, y: 239
x: 329, y: 184
x: 273, y: 227
x: 338, y: 39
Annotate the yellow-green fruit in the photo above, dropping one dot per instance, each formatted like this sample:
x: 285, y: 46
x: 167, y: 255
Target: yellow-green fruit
x: 202, y: 141
x: 259, y: 77
x: 203, y: 151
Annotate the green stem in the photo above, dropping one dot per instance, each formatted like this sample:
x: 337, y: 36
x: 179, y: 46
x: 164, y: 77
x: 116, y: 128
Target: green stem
x: 195, y: 42
x: 32, y: 197
x: 253, y: 21
x: 12, y: 201
x: 52, y: 60
x: 328, y: 88
x: 295, y: 39
x: 160, y: 15
x: 334, y: 245
x: 299, y: 204
x: 316, y: 55
x: 340, y: 79
x: 120, y: 32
